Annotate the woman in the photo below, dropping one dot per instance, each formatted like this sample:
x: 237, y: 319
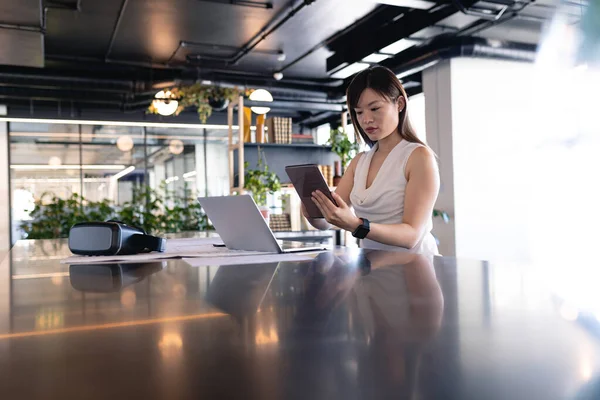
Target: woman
x: 393, y: 186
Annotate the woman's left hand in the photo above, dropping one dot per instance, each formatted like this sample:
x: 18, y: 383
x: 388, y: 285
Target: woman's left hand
x: 340, y: 215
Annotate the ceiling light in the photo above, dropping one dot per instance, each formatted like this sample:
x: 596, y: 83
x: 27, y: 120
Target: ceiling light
x: 375, y: 58
x: 189, y: 174
x: 176, y: 146
x: 398, y: 46
x: 420, y: 4
x: 261, y: 95
x: 121, y: 174
x: 39, y: 167
x: 350, y: 70
x: 125, y: 143
x: 418, y: 68
x: 164, y: 105
x: 278, y: 76
x: 54, y: 161
x: 281, y: 56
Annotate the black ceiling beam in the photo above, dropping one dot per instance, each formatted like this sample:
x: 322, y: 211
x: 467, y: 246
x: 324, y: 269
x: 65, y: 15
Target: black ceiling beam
x: 379, y: 17
x: 410, y: 23
x: 378, y: 13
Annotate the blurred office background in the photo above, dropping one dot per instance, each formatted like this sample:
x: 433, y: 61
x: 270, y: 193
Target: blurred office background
x: 503, y: 91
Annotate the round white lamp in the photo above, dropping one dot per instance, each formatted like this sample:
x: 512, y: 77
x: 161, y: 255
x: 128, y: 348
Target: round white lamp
x: 176, y: 146
x: 125, y: 143
x: 54, y: 161
x: 261, y: 95
x: 163, y: 103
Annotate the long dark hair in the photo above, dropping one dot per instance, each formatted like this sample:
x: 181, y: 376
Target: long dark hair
x: 384, y: 82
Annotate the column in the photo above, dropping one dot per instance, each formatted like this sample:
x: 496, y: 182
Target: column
x: 5, y: 222
x: 438, y: 123
x: 5, y: 226
x: 479, y: 122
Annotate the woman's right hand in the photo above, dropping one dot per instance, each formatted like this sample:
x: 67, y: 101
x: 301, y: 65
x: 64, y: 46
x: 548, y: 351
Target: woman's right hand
x: 318, y: 223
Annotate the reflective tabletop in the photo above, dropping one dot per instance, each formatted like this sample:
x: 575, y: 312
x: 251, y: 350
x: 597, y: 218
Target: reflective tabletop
x: 344, y: 324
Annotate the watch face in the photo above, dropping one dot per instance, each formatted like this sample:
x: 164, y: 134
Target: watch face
x: 361, y: 232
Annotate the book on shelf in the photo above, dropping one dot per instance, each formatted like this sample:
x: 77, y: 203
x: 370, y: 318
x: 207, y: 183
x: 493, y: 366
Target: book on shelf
x: 280, y: 129
x: 280, y: 222
x: 301, y: 138
x: 327, y: 172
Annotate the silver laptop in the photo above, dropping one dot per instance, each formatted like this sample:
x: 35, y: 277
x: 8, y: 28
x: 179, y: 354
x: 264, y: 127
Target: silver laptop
x: 241, y: 226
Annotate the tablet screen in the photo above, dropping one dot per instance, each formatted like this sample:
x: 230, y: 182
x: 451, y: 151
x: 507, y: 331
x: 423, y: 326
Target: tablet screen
x: 306, y: 179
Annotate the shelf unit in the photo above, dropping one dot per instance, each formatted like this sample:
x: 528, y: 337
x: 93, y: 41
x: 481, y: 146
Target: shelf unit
x: 297, y: 221
x: 288, y: 145
x: 239, y: 146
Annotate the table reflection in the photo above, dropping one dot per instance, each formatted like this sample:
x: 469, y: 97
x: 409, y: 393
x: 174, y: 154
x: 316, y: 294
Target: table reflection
x: 364, y: 317
x: 106, y: 278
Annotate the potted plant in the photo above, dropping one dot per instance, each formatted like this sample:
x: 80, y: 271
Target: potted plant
x: 155, y: 212
x: 342, y: 146
x: 204, y: 98
x: 260, y: 182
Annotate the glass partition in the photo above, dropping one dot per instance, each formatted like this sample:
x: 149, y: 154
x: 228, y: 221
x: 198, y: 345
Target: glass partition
x: 110, y: 162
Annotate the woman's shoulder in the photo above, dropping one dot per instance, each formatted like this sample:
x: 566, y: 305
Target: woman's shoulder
x: 421, y: 157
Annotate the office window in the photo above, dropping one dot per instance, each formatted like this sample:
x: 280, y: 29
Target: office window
x: 106, y: 162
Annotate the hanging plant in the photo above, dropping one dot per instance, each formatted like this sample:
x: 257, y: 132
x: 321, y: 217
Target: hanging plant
x: 204, y: 98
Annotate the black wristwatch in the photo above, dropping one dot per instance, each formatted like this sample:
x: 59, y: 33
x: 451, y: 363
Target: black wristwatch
x: 363, y: 229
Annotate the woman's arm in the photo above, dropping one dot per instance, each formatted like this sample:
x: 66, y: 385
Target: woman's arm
x: 421, y: 193
x: 343, y: 190
x: 422, y: 188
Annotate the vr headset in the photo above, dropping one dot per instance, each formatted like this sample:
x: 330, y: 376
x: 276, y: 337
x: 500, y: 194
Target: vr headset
x: 111, y: 238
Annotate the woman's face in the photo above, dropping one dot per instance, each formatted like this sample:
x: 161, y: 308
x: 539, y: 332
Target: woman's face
x: 377, y: 115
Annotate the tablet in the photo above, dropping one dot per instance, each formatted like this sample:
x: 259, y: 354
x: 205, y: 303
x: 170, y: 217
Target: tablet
x: 306, y: 179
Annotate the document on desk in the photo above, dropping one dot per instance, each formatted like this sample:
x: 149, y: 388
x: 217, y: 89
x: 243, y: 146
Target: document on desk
x: 251, y: 259
x: 175, y: 248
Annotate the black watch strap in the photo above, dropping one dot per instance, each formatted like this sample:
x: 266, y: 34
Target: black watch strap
x: 363, y: 229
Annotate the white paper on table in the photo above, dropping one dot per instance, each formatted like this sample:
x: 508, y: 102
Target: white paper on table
x: 175, y: 248
x: 251, y: 259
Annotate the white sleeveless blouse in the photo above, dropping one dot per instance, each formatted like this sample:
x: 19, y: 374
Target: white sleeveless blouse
x: 383, y: 201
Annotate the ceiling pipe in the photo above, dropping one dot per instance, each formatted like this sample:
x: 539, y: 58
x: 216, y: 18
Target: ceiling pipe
x: 116, y: 29
x: 483, y: 24
x: 76, y: 82
x: 408, y: 24
x: 315, y: 119
x: 244, y: 3
x: 336, y: 36
x: 264, y: 33
x: 18, y: 27
x: 296, y: 105
x: 418, y: 58
x: 267, y: 31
